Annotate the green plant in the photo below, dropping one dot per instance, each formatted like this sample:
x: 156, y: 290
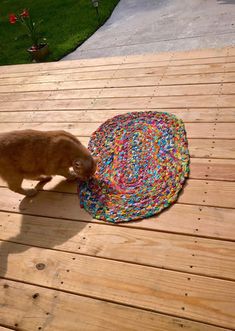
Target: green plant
x: 26, y: 20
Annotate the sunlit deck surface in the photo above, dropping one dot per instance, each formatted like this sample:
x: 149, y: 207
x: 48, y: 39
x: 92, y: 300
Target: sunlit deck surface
x: 63, y: 271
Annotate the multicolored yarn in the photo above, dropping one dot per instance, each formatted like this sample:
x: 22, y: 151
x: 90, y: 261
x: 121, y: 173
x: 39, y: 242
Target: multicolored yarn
x: 144, y: 160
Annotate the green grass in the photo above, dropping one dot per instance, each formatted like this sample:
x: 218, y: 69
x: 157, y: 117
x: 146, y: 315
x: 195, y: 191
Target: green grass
x: 66, y: 24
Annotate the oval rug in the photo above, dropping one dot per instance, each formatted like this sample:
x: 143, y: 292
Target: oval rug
x: 143, y: 163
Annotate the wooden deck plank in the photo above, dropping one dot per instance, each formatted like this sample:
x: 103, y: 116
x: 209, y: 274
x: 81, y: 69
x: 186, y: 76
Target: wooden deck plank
x: 212, y: 169
x: 196, y: 220
x: 136, y: 103
x: 197, y: 79
x: 62, y: 311
x: 135, y: 285
x: 188, y: 115
x: 211, y: 130
x: 175, y: 252
x: 209, y: 148
x: 210, y: 193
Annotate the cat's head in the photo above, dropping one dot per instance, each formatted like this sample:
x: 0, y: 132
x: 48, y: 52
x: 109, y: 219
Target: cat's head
x: 85, y: 168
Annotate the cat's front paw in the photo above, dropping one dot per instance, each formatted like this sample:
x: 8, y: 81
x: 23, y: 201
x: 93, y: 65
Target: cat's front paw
x: 31, y: 192
x: 72, y: 176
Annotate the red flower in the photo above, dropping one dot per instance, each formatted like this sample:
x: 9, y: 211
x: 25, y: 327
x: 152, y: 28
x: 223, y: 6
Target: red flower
x: 24, y: 13
x: 12, y: 18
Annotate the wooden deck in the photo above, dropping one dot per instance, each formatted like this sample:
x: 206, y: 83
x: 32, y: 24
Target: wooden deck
x: 62, y: 271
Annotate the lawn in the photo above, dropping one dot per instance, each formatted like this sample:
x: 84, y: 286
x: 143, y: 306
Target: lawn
x: 65, y: 25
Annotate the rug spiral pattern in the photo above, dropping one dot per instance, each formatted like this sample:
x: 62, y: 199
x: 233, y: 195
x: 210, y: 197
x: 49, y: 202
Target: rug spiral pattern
x: 143, y: 163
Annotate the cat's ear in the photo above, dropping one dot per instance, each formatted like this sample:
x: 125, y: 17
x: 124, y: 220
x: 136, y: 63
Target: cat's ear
x: 77, y: 165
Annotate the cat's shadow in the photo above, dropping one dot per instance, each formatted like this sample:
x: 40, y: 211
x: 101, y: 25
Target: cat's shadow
x: 44, y: 231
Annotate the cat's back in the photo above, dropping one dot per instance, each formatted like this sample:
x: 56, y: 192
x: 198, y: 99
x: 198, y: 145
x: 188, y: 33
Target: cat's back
x: 34, y: 141
x: 33, y: 136
x: 22, y: 139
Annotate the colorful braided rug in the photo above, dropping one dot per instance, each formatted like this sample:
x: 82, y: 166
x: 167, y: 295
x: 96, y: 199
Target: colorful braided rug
x: 144, y: 160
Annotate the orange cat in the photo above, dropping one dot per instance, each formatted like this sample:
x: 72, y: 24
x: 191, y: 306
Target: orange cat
x: 31, y: 154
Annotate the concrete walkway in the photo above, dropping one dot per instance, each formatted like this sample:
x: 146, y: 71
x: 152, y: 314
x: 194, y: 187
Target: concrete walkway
x: 144, y: 26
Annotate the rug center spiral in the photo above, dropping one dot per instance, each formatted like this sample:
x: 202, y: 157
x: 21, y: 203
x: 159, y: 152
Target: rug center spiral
x: 131, y: 156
